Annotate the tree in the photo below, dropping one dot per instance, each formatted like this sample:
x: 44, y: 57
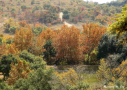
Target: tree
x: 67, y: 44
x: 37, y: 45
x: 23, y: 38
x: 92, y: 34
x: 109, y: 45
x: 13, y: 49
x: 48, y: 34
x: 5, y: 63
x: 119, y: 27
x: 25, y: 55
x: 20, y: 70
x: 3, y: 49
x: 49, y: 53
x: 104, y: 73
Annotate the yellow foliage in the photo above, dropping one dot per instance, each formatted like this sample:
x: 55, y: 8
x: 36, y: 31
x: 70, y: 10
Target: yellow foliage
x: 13, y: 50
x: 104, y: 72
x: 20, y: 70
x: 70, y: 77
x: 121, y: 71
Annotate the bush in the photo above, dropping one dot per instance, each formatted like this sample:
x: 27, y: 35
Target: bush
x: 65, y: 12
x: 32, y: 2
x: 23, y: 7
x: 12, y: 29
x: 66, y: 16
x: 8, y: 41
x: 38, y: 30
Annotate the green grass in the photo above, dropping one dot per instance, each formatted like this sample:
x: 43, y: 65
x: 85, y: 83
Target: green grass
x: 90, y: 78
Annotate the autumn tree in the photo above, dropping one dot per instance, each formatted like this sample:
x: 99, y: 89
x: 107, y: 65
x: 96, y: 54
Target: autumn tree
x: 20, y: 70
x: 23, y: 38
x: 13, y: 49
x: 121, y: 71
x: 119, y: 27
x: 48, y: 34
x: 68, y: 45
x: 37, y: 45
x: 92, y: 34
x: 49, y: 52
x: 3, y: 49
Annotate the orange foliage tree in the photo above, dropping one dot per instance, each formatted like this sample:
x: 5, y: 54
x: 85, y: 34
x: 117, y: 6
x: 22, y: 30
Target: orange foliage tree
x: 20, y: 70
x: 67, y: 44
x: 3, y: 49
x: 48, y: 34
x: 92, y: 34
x: 37, y: 45
x: 23, y: 38
x: 13, y: 50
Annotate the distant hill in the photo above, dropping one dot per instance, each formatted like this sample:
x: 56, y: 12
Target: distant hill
x: 46, y: 11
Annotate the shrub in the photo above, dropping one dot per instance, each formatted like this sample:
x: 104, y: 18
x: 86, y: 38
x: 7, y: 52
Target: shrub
x: 32, y: 2
x: 23, y: 7
x: 12, y: 29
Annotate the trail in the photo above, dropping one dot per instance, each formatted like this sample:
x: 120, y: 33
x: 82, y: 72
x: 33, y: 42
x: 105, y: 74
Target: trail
x: 78, y: 25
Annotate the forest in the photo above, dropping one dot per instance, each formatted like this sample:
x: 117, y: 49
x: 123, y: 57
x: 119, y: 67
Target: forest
x: 39, y: 52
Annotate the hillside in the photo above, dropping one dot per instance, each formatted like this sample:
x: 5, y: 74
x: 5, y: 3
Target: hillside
x: 46, y: 12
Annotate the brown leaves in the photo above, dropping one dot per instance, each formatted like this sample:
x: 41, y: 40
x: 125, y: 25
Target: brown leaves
x: 67, y: 44
x: 20, y: 70
x: 48, y: 34
x: 23, y: 38
x: 92, y: 34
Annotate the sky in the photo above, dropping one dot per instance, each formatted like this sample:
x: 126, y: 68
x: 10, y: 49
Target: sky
x: 100, y: 1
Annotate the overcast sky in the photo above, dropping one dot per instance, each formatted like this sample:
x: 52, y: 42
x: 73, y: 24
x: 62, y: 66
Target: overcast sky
x: 100, y: 1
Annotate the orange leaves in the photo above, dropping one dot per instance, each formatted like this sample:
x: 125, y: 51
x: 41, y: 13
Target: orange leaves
x: 92, y: 35
x: 37, y: 45
x: 67, y: 44
x: 48, y: 34
x: 23, y: 38
x: 13, y: 50
x: 20, y: 70
x: 3, y: 49
x: 23, y: 24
